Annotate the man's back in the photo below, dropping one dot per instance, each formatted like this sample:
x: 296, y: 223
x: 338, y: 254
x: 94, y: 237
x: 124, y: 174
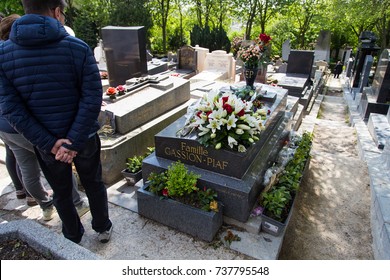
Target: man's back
x: 56, y: 76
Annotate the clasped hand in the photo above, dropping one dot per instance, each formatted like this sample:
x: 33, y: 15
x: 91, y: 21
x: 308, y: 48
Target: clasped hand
x: 61, y: 153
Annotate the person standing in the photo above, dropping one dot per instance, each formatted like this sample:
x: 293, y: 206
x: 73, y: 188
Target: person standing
x: 51, y: 93
x: 22, y: 163
x: 338, y: 69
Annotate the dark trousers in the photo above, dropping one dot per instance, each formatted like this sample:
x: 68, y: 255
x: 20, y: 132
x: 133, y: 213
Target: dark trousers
x: 59, y: 176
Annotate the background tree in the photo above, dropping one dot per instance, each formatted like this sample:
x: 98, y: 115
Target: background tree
x: 8, y: 7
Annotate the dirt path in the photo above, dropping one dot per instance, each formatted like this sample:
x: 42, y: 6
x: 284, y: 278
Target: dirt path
x: 331, y: 219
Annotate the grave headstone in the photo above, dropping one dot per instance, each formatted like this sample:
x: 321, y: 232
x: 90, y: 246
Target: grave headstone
x: 219, y: 66
x: 377, y: 99
x: 346, y: 56
x: 201, y: 54
x: 125, y: 50
x: 286, y: 48
x: 367, y: 47
x: 381, y: 82
x: 300, y: 62
x: 348, y: 70
x: 365, y: 72
x: 100, y: 57
x: 322, y: 48
x: 187, y: 58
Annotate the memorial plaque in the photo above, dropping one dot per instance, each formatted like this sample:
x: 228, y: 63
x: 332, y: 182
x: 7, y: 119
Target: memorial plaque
x: 125, y: 50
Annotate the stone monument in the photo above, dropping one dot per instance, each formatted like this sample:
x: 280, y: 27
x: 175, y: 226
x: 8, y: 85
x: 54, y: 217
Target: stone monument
x: 367, y: 47
x: 125, y: 51
x: 237, y: 177
x: 377, y: 98
x: 322, y: 49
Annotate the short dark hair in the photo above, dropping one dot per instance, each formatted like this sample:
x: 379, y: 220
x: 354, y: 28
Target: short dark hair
x: 42, y: 6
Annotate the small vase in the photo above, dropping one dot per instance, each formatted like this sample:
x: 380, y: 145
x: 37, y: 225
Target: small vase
x: 250, y: 76
x: 112, y: 96
x: 122, y: 92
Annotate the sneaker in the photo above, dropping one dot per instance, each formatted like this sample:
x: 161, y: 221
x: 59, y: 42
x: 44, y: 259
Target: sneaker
x: 82, y: 208
x: 21, y: 194
x: 31, y: 201
x: 48, y: 213
x: 105, y: 236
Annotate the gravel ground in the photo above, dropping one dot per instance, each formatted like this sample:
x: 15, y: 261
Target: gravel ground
x: 331, y: 218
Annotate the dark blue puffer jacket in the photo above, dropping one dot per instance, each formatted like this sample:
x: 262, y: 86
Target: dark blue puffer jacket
x: 50, y: 86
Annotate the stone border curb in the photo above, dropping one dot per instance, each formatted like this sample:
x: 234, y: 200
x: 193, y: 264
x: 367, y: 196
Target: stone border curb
x: 44, y: 240
x: 379, y: 181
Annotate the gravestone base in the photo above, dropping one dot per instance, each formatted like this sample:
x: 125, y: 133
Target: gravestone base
x: 116, y: 149
x: 368, y: 105
x: 238, y: 195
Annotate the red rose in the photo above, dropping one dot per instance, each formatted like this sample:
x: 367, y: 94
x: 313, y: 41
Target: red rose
x: 228, y: 108
x: 225, y: 99
x: 241, y: 113
x: 111, y: 91
x: 265, y: 38
x: 165, y: 192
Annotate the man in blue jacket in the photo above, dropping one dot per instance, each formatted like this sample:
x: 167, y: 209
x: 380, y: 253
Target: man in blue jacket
x: 51, y: 93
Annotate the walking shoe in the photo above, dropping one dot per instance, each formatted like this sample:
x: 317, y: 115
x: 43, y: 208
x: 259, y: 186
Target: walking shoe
x: 105, y: 236
x: 31, y: 201
x: 48, y: 213
x: 82, y: 208
x: 21, y: 194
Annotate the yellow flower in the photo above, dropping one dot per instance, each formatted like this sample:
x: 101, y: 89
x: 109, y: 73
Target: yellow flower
x: 214, y: 206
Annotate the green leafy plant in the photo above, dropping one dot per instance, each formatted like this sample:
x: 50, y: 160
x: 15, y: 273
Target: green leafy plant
x: 278, y: 200
x: 180, y: 184
x: 134, y: 164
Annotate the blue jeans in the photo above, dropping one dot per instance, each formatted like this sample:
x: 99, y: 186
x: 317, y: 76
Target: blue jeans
x: 59, y: 176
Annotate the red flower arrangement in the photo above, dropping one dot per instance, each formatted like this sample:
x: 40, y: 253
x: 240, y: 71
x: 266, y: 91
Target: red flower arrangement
x: 111, y: 92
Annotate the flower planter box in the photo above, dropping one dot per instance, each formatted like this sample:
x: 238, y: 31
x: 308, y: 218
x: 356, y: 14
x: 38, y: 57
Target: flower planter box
x: 274, y: 227
x: 182, y: 217
x: 131, y: 178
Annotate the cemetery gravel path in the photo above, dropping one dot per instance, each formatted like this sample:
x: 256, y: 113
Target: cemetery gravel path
x: 331, y: 218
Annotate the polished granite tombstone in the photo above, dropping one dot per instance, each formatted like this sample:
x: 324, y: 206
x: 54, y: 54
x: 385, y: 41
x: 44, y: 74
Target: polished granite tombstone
x: 125, y: 50
x: 297, y: 76
x: 137, y: 116
x: 378, y: 98
x: 237, y: 177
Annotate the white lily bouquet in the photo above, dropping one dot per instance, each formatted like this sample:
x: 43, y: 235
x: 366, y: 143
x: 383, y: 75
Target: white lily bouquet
x: 230, y: 119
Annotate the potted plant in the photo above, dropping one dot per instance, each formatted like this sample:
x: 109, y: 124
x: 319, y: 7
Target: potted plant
x: 133, y: 171
x: 278, y: 201
x: 173, y: 198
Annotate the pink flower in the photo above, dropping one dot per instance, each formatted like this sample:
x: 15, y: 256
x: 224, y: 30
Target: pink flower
x: 120, y: 88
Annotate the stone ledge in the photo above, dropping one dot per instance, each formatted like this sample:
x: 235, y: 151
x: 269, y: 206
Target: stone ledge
x: 379, y: 183
x: 44, y: 240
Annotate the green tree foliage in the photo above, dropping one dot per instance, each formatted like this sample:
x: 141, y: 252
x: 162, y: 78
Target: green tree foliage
x: 215, y: 39
x: 8, y: 7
